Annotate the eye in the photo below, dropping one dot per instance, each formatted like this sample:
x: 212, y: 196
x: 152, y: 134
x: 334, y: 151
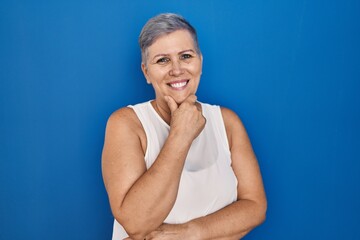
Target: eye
x: 163, y: 60
x: 186, y: 56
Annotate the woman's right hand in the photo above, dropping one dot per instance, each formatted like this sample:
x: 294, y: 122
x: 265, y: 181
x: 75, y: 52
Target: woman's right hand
x: 186, y: 119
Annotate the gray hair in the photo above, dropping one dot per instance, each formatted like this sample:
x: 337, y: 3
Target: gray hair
x: 161, y: 25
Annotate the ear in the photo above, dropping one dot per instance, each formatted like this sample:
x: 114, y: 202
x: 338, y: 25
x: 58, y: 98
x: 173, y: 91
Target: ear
x: 145, y: 72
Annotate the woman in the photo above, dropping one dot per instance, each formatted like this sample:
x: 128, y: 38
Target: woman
x: 175, y: 168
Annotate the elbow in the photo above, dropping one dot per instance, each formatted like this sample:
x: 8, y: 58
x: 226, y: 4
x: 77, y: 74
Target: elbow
x: 133, y: 229
x: 259, y: 208
x: 136, y: 236
x: 134, y: 232
x: 262, y: 218
x: 262, y: 208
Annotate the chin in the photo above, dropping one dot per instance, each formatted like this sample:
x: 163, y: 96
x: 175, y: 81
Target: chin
x: 180, y: 99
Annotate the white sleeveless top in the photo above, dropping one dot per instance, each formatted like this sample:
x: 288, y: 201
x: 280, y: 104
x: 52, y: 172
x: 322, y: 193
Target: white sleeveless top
x: 208, y: 182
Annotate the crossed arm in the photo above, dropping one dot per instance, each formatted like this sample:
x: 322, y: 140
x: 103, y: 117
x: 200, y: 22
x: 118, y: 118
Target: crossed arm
x: 141, y: 199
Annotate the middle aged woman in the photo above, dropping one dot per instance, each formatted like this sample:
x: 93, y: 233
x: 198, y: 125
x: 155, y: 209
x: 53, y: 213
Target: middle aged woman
x: 175, y: 168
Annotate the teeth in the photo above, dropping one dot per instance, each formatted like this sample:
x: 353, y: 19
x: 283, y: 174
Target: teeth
x: 178, y: 85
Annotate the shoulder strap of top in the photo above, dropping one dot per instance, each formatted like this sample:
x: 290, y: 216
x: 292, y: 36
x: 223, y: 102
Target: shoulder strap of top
x: 142, y: 111
x: 214, y: 116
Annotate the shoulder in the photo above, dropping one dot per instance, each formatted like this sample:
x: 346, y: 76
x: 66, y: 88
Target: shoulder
x: 123, y: 119
x: 226, y: 113
x: 234, y: 127
x: 124, y: 115
x: 123, y: 126
x: 230, y: 117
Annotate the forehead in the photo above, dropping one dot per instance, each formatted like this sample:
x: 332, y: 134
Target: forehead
x: 174, y: 42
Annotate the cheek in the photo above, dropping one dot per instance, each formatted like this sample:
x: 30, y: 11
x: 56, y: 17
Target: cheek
x: 196, y: 66
x: 156, y: 75
x: 196, y: 69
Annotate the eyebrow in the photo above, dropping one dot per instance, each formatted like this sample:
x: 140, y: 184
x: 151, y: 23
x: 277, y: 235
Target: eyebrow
x: 163, y: 54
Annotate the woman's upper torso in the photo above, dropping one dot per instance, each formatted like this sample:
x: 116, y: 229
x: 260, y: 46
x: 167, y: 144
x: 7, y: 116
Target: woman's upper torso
x: 208, y: 182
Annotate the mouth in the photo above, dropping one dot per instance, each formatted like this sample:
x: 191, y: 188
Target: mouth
x: 178, y: 85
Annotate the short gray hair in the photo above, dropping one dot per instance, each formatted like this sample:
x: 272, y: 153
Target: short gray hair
x: 161, y: 25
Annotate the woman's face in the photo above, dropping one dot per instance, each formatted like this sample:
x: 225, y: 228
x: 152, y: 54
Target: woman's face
x: 173, y: 66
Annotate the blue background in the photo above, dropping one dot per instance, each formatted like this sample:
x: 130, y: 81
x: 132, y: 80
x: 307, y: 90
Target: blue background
x: 290, y: 69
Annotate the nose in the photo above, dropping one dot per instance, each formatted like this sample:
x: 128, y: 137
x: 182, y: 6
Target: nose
x: 176, y: 68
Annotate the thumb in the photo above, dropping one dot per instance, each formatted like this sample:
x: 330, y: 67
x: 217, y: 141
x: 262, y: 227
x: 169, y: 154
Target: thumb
x: 171, y: 103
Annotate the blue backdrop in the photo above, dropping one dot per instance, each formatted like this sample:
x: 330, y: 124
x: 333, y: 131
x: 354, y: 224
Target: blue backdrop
x: 290, y: 69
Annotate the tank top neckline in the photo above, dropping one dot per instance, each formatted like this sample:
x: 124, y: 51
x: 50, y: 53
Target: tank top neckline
x: 159, y: 117
x: 157, y: 114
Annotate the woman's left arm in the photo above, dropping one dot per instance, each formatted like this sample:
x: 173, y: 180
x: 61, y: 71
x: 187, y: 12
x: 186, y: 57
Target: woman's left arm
x: 237, y: 219
x: 249, y: 211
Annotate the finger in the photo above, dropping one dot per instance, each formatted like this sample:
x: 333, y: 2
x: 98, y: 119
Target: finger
x: 191, y: 99
x: 171, y: 103
x: 198, y: 106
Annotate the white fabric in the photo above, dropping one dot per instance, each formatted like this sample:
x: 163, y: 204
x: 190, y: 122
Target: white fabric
x: 208, y: 182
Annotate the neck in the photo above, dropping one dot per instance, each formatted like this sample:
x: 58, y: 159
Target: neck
x: 163, y: 110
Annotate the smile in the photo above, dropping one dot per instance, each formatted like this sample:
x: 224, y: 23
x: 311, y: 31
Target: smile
x: 178, y: 85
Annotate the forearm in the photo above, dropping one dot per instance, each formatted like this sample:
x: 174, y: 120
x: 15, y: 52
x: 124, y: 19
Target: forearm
x: 231, y: 222
x: 236, y: 237
x: 151, y: 198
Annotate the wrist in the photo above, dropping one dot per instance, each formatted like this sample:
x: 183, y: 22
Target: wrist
x: 193, y: 230
x: 180, y: 139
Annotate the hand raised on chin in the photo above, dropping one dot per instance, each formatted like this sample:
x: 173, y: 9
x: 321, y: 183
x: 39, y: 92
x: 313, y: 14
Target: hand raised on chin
x: 186, y: 119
